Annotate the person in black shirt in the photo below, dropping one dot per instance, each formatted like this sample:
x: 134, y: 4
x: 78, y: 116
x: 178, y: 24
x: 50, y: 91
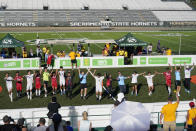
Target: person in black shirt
x: 7, y: 126
x: 53, y: 107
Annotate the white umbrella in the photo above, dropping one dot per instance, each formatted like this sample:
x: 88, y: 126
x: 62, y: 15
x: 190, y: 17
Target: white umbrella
x: 130, y: 116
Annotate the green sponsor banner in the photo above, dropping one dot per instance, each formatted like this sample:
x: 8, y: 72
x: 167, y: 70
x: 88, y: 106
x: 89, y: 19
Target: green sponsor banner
x: 86, y: 62
x: 26, y: 63
x: 35, y: 63
x: 134, y: 61
x: 120, y: 61
x: 142, y: 60
x: 102, y: 62
x: 181, y: 60
x: 67, y: 63
x: 10, y: 64
x: 158, y: 60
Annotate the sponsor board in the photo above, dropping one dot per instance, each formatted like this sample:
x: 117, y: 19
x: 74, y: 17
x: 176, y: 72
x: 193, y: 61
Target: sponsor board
x: 20, y: 64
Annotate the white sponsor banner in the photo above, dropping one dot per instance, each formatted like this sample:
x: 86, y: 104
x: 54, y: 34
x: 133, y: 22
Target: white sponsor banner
x: 163, y: 60
x: 118, y: 61
x: 91, y: 62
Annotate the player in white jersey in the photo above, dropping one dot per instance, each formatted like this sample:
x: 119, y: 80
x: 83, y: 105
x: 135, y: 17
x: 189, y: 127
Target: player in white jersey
x: 187, y: 76
x: 29, y: 87
x: 9, y: 86
x: 62, y: 80
x: 99, y: 84
x: 149, y: 78
x: 134, y: 82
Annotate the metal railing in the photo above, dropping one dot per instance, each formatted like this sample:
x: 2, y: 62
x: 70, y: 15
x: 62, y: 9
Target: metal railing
x: 155, y: 118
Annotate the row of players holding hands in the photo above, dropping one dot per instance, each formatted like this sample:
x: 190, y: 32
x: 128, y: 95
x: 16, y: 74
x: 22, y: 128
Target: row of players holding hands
x: 65, y: 80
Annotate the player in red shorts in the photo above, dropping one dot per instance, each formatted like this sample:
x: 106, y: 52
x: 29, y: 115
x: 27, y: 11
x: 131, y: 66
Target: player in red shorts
x: 54, y: 81
x: 18, y: 80
x: 37, y: 83
x: 168, y: 76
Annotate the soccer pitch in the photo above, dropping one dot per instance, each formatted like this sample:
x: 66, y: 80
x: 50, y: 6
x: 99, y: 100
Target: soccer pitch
x: 168, y: 39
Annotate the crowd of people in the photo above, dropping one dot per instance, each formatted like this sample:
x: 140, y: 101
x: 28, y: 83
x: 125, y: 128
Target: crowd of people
x: 56, y: 122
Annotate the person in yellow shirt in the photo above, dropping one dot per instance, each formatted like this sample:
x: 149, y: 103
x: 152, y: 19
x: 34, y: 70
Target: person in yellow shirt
x: 47, y: 53
x: 191, y: 114
x: 72, y: 55
x: 24, y: 53
x: 58, y: 54
x: 44, y: 51
x: 117, y: 53
x: 168, y: 51
x: 108, y: 46
x: 46, y: 76
x: 169, y: 113
x: 77, y: 54
x: 62, y: 53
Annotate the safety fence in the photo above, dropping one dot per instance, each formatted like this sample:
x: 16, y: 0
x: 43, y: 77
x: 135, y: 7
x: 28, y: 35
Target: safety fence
x: 99, y: 62
x: 101, y: 121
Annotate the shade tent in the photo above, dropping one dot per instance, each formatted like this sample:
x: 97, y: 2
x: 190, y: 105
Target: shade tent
x: 129, y: 40
x: 10, y: 42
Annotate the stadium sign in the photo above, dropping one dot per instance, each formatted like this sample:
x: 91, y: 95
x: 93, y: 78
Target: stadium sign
x: 114, y: 24
x: 18, y: 24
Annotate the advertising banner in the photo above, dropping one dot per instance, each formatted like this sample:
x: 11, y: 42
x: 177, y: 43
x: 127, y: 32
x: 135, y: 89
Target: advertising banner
x: 91, y: 62
x: 19, y: 64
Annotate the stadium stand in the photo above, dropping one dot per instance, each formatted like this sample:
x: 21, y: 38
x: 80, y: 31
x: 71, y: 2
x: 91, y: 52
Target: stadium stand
x: 95, y: 4
x: 175, y: 15
x: 76, y: 13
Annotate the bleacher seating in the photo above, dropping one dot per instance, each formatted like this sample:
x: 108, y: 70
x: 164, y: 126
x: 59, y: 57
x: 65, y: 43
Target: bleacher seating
x: 175, y: 15
x: 97, y: 4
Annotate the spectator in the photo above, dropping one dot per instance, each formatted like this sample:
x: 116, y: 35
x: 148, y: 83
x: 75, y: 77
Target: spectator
x: 41, y: 126
x: 56, y: 126
x: 168, y: 51
x: 149, y: 49
x: 77, y: 54
x: 47, y: 53
x: 24, y: 53
x: 7, y: 126
x: 58, y: 54
x: 31, y: 55
x: 191, y: 114
x: 62, y: 53
x: 169, y: 113
x: 72, y: 55
x: 44, y: 52
x: 69, y: 128
x: 84, y: 124
x: 120, y: 99
x: 21, y: 124
x: 79, y: 47
x: 53, y: 107
x: 39, y: 52
x: 3, y: 53
x: 159, y: 47
x: 108, y: 128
